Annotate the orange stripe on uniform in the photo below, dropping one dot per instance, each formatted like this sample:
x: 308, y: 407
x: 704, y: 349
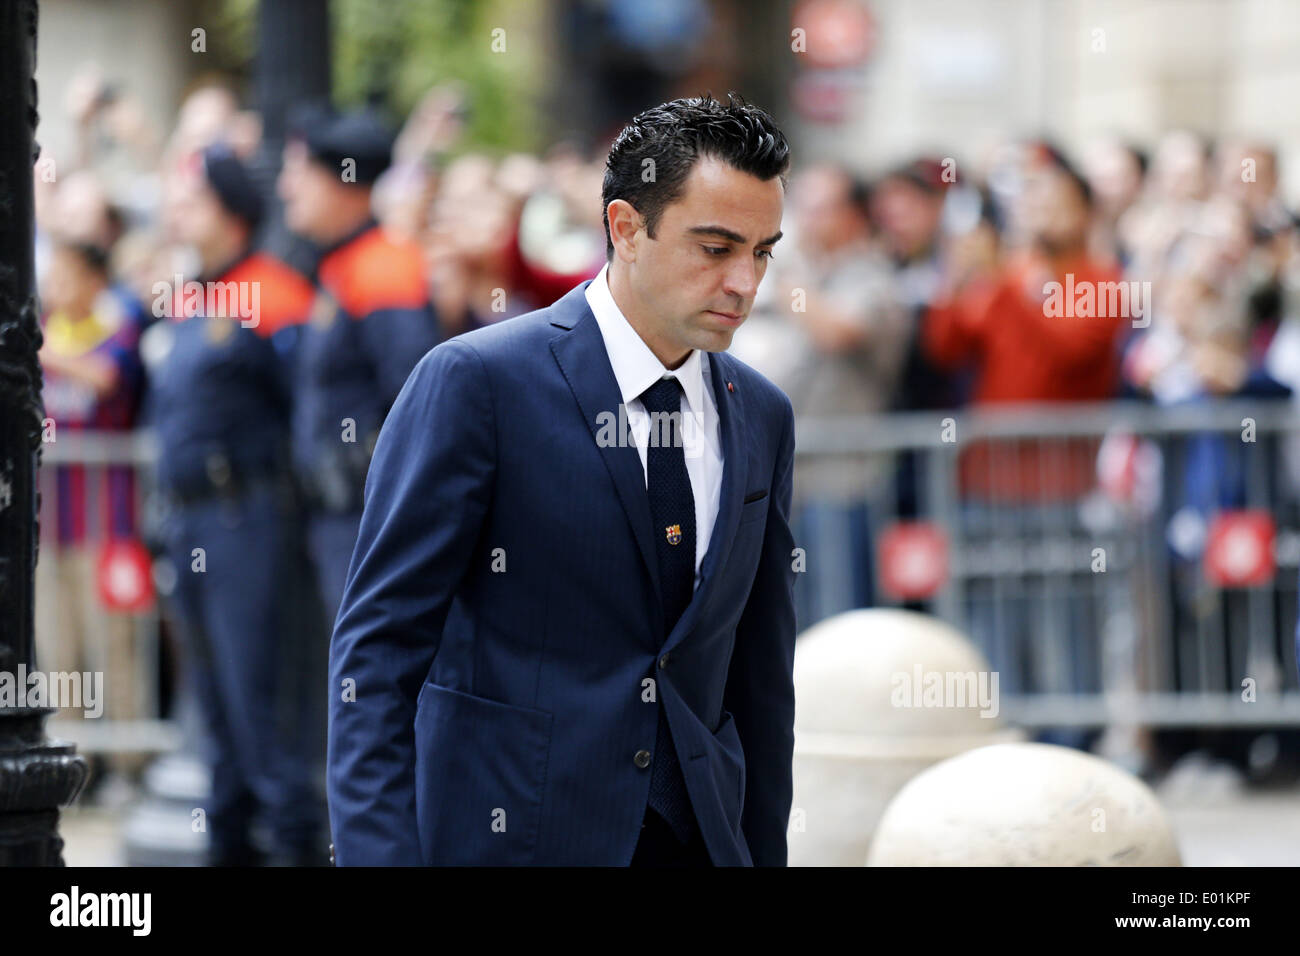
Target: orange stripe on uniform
x: 375, y: 272
x: 284, y: 295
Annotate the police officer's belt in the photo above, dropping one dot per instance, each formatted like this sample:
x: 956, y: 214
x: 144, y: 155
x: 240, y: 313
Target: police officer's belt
x: 223, y: 481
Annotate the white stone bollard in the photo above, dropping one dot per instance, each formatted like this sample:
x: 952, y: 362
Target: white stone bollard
x: 880, y: 695
x: 1024, y: 804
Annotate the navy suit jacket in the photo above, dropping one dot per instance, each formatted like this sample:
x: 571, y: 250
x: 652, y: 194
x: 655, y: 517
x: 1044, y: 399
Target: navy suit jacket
x: 498, y: 660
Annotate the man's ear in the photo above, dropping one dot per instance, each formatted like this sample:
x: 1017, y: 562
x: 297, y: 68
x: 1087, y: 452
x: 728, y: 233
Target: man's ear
x: 624, y: 225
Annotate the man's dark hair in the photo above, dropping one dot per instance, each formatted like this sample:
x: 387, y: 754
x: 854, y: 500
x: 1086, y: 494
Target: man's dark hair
x: 91, y: 256
x: 1139, y: 156
x: 924, y: 173
x: 1050, y: 154
x: 674, y: 136
x: 860, y: 190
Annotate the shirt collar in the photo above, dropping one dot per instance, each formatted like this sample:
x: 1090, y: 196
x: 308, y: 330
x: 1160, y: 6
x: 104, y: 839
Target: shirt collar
x: 636, y: 368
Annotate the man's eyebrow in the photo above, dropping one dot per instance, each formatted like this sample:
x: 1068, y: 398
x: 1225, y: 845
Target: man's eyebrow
x: 728, y: 234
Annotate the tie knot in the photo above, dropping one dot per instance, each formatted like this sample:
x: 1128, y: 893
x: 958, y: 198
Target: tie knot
x: 663, y: 396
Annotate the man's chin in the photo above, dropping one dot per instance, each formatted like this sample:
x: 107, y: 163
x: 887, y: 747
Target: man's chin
x: 714, y: 340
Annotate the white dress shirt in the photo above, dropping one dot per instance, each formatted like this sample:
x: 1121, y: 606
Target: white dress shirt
x: 636, y: 369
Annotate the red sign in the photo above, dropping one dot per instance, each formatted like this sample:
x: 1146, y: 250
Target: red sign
x: 123, y: 577
x: 913, y: 559
x: 1239, y: 551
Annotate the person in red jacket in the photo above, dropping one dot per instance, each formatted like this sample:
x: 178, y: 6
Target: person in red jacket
x: 1044, y: 328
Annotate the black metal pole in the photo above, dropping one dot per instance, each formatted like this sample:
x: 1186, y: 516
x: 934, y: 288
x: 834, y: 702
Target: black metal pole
x: 37, y: 775
x: 292, y: 67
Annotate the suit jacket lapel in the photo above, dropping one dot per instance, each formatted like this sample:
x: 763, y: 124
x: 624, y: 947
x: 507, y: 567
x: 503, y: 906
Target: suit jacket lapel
x: 582, y: 359
x: 735, y: 474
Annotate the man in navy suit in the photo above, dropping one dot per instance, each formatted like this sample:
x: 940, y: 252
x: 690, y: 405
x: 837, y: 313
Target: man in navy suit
x: 567, y: 634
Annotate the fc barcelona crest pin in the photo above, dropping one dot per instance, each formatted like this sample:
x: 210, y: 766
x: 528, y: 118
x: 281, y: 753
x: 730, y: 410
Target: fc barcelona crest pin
x: 674, y: 533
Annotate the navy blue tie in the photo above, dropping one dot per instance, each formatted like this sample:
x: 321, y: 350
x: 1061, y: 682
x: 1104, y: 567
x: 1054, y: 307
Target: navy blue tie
x: 672, y: 508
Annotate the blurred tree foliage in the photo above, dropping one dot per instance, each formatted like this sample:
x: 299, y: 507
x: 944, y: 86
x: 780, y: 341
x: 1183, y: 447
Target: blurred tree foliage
x: 390, y: 52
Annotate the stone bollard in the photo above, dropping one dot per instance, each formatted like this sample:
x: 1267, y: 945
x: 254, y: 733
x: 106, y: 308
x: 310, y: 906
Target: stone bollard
x: 1024, y: 804
x: 880, y: 695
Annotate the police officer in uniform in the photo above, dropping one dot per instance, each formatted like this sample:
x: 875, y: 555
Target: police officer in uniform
x: 220, y: 407
x: 370, y: 323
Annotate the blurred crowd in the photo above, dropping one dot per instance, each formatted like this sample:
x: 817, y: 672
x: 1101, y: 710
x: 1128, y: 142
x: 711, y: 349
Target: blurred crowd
x: 1025, y: 277
x: 923, y: 288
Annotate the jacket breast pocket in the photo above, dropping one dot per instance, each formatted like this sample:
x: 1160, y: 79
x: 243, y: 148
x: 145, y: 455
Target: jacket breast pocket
x: 480, y: 778
x: 754, y: 510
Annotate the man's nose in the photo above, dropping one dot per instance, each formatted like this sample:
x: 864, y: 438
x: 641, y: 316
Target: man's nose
x: 742, y: 279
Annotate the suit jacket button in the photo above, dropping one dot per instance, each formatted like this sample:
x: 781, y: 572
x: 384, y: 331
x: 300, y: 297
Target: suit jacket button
x: 642, y: 759
x: 663, y: 662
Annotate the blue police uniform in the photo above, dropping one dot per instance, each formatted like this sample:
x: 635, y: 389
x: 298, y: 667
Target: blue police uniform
x: 220, y: 407
x: 370, y: 324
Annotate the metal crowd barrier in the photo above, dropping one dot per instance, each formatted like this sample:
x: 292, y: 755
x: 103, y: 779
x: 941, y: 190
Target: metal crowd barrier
x: 69, y: 580
x: 1118, y: 563
x: 1159, y: 632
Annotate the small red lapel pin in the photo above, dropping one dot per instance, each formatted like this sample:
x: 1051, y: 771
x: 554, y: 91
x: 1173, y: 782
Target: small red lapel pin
x: 730, y: 387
